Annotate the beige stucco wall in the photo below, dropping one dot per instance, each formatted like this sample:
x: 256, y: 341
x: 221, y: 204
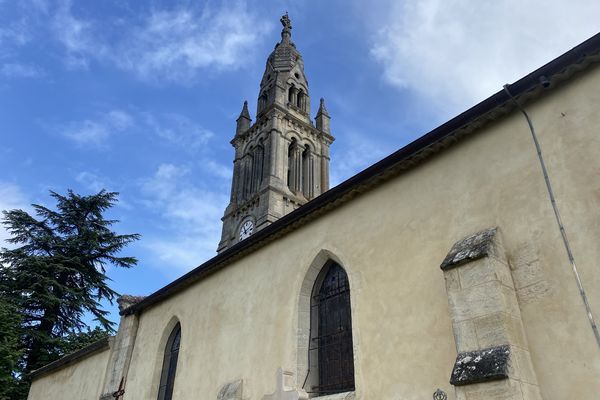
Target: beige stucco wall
x: 241, y: 322
x: 81, y: 380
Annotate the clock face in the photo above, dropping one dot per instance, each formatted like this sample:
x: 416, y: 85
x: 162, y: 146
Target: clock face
x: 246, y: 230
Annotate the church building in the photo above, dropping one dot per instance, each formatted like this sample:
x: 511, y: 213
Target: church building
x: 463, y: 266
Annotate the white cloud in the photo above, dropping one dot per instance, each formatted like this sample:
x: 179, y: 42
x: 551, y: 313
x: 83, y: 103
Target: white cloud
x: 95, y: 133
x: 91, y: 181
x: 357, y: 152
x: 191, y: 215
x: 77, y: 37
x: 15, y: 34
x: 18, y: 70
x: 178, y: 130
x: 11, y: 197
x: 217, y: 169
x: 174, y: 44
x: 458, y: 52
x: 172, y: 128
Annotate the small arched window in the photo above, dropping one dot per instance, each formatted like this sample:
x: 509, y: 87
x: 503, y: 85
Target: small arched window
x: 307, y: 173
x: 291, y: 173
x: 300, y: 100
x: 332, y: 322
x: 169, y: 367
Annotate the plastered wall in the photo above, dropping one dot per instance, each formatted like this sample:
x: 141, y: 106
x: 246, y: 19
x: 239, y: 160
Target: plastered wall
x: 242, y: 322
x: 81, y: 380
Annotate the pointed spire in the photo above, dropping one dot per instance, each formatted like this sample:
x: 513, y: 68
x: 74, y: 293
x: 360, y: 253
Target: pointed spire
x: 322, y: 118
x: 243, y: 121
x: 286, y: 32
x: 322, y: 109
x: 245, y: 113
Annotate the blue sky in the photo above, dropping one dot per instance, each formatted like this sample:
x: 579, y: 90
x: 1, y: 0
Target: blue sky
x: 141, y: 97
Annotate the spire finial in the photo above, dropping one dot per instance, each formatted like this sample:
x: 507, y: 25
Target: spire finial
x: 245, y: 113
x: 322, y: 119
x: 322, y: 110
x: 286, y: 32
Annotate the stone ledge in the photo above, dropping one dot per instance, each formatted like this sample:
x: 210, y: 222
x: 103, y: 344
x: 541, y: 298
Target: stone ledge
x: 473, y: 247
x: 481, y: 366
x: 337, y: 396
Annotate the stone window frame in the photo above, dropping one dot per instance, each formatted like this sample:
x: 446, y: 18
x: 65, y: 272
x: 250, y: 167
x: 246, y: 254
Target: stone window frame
x: 313, y: 278
x: 169, y: 370
x: 160, y: 353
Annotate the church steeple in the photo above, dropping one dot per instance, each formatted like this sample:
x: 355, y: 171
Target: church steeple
x: 282, y: 160
x: 284, y: 82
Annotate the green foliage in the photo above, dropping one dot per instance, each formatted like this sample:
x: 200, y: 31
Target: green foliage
x: 10, y: 351
x: 76, y: 341
x: 54, y: 275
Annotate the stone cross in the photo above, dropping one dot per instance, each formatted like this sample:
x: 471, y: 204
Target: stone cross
x: 284, y: 392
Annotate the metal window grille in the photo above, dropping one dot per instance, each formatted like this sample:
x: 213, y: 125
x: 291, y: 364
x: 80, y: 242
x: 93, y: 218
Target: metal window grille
x: 167, y: 378
x: 333, y: 343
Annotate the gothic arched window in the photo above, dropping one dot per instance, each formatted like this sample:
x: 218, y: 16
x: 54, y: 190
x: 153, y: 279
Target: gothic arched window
x: 169, y: 367
x: 332, y: 322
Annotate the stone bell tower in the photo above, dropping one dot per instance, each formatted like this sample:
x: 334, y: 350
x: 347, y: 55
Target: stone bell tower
x: 282, y: 160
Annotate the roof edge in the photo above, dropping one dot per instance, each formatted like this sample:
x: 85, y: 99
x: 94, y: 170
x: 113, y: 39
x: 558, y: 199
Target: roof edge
x: 96, y: 347
x: 414, y: 152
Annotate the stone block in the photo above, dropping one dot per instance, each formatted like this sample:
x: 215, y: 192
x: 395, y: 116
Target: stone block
x: 491, y: 330
x: 525, y: 254
x: 285, y: 388
x: 525, y: 367
x: 476, y: 301
x: 507, y: 389
x: 465, y: 336
x: 534, y: 292
x: 510, y: 301
x: 503, y: 272
x: 499, y: 328
x: 471, y: 248
x: 476, y: 272
x: 481, y: 366
x: 530, y: 392
x: 527, y: 274
x: 452, y: 280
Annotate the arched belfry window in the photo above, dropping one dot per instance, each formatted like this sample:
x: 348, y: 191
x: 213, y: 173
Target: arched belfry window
x: 307, y: 173
x: 300, y: 100
x: 331, y: 332
x: 292, y: 164
x: 169, y: 367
